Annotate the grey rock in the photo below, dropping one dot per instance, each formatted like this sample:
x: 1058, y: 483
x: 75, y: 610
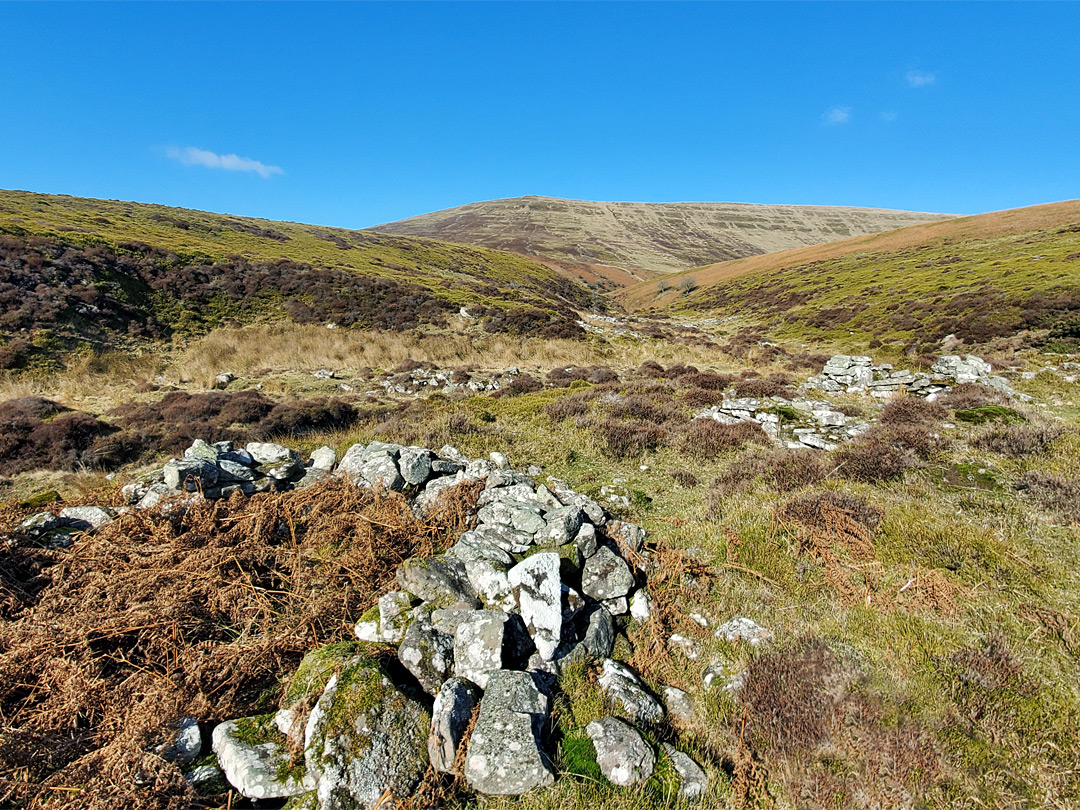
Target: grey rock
x: 585, y: 540
x: 192, y: 474
x: 414, y: 464
x: 505, y: 755
x: 203, y: 450
x: 232, y: 471
x: 448, y: 619
x: 641, y: 605
x: 428, y: 653
x: 478, y: 645
x: 86, y: 518
x: 618, y: 606
x: 352, y: 462
x: 489, y: 579
x: 365, y: 738
x: 221, y: 381
x: 537, y: 587
x: 598, y: 636
x: 606, y: 575
x: 693, y: 780
x: 443, y: 581
x: 441, y: 466
x: 679, y: 704
x: 628, y: 534
x: 621, y: 752
x: 505, y: 538
x: 258, y: 770
x: 519, y: 515
x: 743, y: 629
x: 450, y: 716
x: 563, y: 523
x: 395, y: 615
x: 152, y: 497
x: 323, y: 459
x: 572, y: 602
x: 380, y: 470
x: 40, y: 522
x: 473, y: 546
x: 621, y: 684
x: 269, y: 453
x: 186, y: 745
x: 207, y: 780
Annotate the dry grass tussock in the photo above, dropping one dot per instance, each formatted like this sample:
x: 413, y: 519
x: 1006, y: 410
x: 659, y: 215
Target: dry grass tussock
x: 291, y: 346
x: 160, y: 616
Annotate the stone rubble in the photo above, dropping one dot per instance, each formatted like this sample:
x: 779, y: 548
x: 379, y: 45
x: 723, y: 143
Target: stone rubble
x: 483, y: 629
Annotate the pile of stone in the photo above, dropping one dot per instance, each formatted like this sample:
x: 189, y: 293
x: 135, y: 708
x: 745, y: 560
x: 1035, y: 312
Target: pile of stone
x: 424, y: 380
x: 481, y: 632
x: 857, y: 374
x: 791, y: 423
x: 220, y: 469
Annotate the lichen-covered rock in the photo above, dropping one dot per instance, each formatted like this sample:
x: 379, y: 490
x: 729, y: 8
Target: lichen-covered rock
x: 478, y: 645
x: 621, y: 684
x: 323, y: 459
x: 505, y: 755
x: 86, y: 518
x: 428, y: 653
x: 365, y: 738
x: 679, y: 704
x: 414, y: 463
x: 505, y: 538
x: 450, y: 717
x: 692, y: 779
x: 585, y: 540
x: 492, y: 584
x: 641, y: 605
x: 443, y: 581
x: 521, y: 516
x: 269, y: 453
x: 191, y: 474
x: 395, y: 615
x: 563, y: 523
x: 621, y: 752
x: 606, y: 575
x: 185, y: 745
x: 537, y: 586
x: 473, y: 546
x: 742, y: 629
x: 253, y: 755
x: 381, y: 470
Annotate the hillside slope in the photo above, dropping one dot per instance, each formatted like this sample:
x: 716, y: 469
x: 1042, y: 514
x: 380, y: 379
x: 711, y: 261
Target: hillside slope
x: 75, y: 271
x: 644, y: 238
x: 977, y: 277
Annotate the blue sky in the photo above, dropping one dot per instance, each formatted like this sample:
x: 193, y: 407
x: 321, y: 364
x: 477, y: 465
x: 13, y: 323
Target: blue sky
x: 356, y: 114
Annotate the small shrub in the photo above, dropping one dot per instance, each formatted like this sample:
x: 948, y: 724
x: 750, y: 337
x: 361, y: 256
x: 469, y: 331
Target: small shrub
x: 1018, y: 441
x: 815, y: 512
x: 406, y: 366
x: 650, y: 368
x: 707, y: 380
x: 912, y: 411
x: 972, y: 395
x: 981, y: 414
x: 573, y: 405
x: 795, y: 469
x: 640, y: 408
x: 1053, y: 492
x: 707, y: 438
x: 525, y: 384
x: 629, y: 439
x: 873, y: 461
x: 761, y: 388
x: 684, y: 478
x: 791, y: 698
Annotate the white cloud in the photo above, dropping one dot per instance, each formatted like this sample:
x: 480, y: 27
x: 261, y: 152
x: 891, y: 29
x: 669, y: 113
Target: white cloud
x: 920, y: 78
x: 888, y: 116
x: 837, y: 115
x: 191, y: 156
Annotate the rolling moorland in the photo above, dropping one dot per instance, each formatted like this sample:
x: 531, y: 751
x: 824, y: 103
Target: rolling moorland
x: 914, y: 584
x: 617, y: 243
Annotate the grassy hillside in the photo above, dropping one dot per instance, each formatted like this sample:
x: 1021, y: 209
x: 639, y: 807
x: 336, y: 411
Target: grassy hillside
x: 644, y: 239
x: 977, y: 277
x: 87, y: 272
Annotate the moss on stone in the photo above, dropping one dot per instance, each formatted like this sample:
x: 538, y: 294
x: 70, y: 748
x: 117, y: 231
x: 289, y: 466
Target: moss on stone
x: 319, y: 664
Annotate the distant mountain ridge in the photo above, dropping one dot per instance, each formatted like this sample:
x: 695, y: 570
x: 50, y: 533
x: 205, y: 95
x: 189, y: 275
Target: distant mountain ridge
x: 642, y: 240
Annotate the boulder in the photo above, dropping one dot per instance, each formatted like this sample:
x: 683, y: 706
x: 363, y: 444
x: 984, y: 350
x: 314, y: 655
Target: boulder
x: 450, y: 716
x: 606, y: 575
x: 203, y: 450
x: 492, y: 584
x: 269, y: 453
x: 86, y: 518
x: 473, y: 546
x: 364, y: 739
x: 622, y: 685
x: 563, y: 523
x: 191, y: 474
x: 692, y: 779
x: 679, y: 704
x: 414, y: 463
x: 505, y: 755
x: 641, y: 605
x: 380, y: 470
x: 537, y: 587
x: 443, y: 581
x: 621, y: 752
x: 478, y: 645
x: 323, y: 459
x: 428, y: 653
x: 254, y: 756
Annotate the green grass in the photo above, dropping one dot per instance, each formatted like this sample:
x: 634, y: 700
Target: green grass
x: 977, y: 285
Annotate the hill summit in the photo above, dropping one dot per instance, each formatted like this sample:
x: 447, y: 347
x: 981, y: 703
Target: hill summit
x: 626, y: 241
